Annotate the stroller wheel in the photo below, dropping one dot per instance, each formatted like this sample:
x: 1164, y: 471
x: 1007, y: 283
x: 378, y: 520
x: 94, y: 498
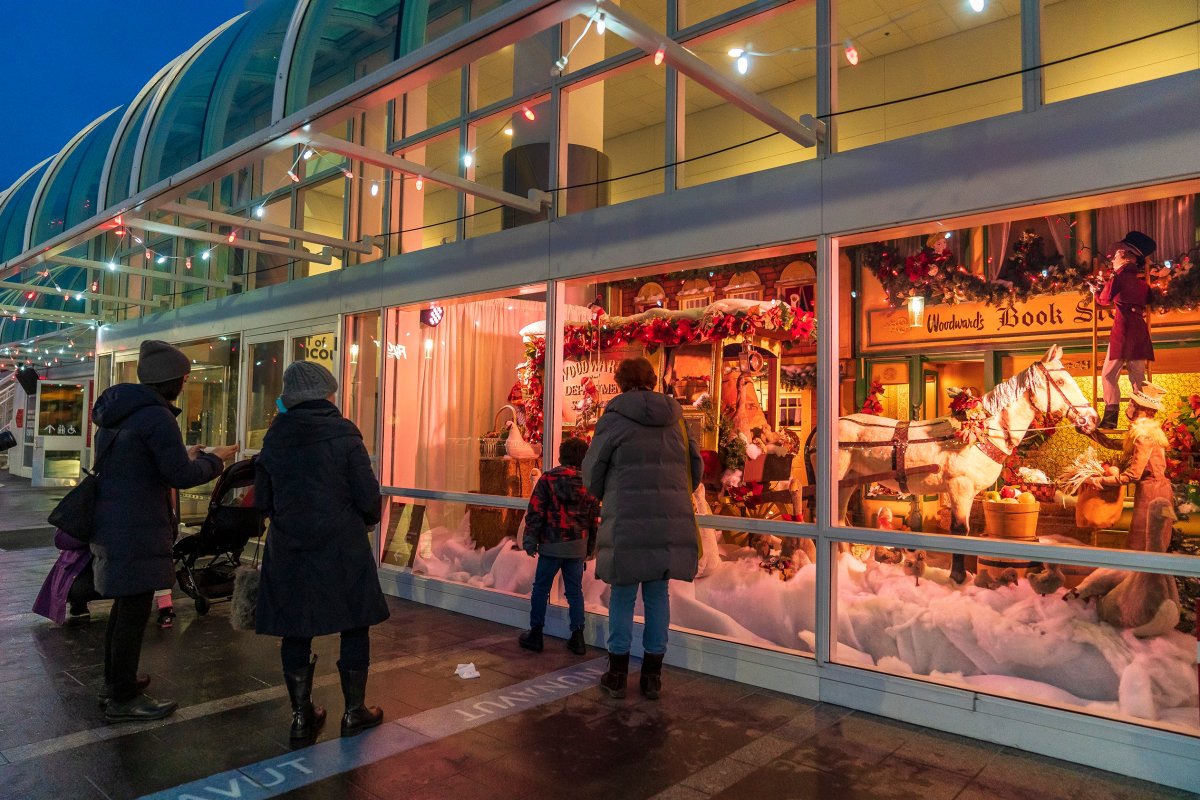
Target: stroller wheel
x: 202, y: 605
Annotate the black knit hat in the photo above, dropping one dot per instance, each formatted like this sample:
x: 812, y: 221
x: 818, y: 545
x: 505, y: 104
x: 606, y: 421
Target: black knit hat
x: 159, y: 362
x: 1140, y: 242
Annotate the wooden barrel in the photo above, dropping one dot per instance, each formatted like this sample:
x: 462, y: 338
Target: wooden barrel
x: 1009, y: 522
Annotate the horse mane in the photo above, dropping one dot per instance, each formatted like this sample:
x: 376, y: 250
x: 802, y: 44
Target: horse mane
x: 1007, y: 393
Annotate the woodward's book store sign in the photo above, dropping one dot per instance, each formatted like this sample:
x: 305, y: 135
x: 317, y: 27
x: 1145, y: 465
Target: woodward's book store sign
x: 1057, y: 317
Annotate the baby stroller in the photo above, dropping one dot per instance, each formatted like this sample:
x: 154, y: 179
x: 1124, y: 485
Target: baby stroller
x: 205, y: 562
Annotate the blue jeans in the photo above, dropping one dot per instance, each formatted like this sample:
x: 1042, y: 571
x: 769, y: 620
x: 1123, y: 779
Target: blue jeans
x: 543, y: 579
x: 657, y: 604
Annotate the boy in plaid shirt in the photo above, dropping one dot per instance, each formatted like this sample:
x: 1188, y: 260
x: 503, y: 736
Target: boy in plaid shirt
x: 560, y: 529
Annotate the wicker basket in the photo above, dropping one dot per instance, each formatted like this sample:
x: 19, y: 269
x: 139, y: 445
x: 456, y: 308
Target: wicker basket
x: 493, y: 446
x: 1011, y: 520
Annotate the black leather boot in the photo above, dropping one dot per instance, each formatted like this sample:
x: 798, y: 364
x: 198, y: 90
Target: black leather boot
x: 576, y: 644
x: 531, y: 639
x: 614, y: 680
x: 358, y: 717
x: 650, y: 681
x: 307, y: 719
x: 1109, y: 421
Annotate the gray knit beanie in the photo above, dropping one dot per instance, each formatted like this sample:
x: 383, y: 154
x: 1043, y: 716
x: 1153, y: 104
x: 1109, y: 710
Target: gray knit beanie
x: 159, y: 362
x: 304, y: 381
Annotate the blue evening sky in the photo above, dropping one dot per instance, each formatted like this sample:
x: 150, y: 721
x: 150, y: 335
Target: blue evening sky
x: 63, y: 63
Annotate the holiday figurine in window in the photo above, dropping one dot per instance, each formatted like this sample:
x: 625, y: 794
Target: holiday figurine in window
x: 1129, y: 343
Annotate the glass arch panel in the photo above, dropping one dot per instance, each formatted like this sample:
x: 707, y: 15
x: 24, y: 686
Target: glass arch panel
x: 70, y: 194
x: 16, y: 212
x: 122, y: 162
x: 224, y: 94
x: 336, y: 42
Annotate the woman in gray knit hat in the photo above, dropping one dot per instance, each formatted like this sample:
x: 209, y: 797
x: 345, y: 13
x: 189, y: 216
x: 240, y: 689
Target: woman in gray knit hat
x: 314, y: 480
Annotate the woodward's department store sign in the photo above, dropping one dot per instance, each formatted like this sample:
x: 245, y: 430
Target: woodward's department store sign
x: 1057, y: 318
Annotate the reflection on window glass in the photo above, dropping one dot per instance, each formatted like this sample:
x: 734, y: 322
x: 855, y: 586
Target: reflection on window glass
x: 1109, y: 23
x: 208, y: 407
x: 324, y: 211
x: 692, y: 12
x: 905, y: 51
x: 615, y: 127
x: 1065, y: 636
x: 361, y: 361
x: 785, y: 77
x: 509, y: 152
x: 430, y: 213
x: 60, y: 409
x: 61, y: 464
x: 431, y: 105
x: 266, y: 384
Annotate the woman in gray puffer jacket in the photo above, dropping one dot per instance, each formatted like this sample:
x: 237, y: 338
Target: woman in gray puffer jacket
x: 643, y: 467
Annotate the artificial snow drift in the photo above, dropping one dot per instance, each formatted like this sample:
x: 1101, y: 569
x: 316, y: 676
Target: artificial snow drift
x: 1008, y: 641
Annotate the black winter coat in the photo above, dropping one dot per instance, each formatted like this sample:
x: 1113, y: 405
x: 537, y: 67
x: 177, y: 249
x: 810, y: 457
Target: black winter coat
x: 135, y: 515
x: 638, y: 466
x: 314, y: 480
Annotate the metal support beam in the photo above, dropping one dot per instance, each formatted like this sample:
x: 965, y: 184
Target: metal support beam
x: 366, y: 246
x: 45, y: 315
x: 531, y: 205
x: 650, y: 41
x: 39, y: 288
x: 323, y: 257
x: 186, y: 280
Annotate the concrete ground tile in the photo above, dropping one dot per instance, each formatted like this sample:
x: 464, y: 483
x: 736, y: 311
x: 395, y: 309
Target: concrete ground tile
x: 719, y: 776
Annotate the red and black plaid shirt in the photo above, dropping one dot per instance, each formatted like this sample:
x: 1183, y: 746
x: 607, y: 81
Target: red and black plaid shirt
x: 561, y: 510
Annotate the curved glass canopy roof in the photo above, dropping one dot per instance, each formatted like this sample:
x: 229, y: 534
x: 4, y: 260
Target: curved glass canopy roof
x: 15, y: 213
x: 69, y: 196
x: 120, y: 166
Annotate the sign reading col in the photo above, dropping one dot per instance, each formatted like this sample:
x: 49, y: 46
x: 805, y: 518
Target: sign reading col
x: 1058, y: 317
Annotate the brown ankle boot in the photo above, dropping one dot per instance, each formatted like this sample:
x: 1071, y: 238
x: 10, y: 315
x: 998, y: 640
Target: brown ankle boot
x: 614, y: 680
x: 650, y: 681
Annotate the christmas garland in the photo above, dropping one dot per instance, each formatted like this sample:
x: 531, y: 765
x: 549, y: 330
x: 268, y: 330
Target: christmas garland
x: 934, y: 274
x: 655, y: 331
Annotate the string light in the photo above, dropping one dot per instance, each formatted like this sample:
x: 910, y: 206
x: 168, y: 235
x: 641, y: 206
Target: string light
x: 659, y: 55
x: 374, y: 189
x: 308, y: 153
x: 528, y: 112
x: 259, y: 212
x: 508, y: 131
x: 347, y: 173
x: 187, y: 264
x: 600, y: 24
x: 468, y: 160
x: 205, y: 255
x: 232, y: 236
x: 851, y: 53
x: 743, y: 65
x: 160, y: 260
x: 420, y: 184
x: 291, y: 173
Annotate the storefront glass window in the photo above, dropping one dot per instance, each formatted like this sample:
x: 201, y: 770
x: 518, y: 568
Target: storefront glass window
x: 429, y: 214
x: 615, y: 127
x: 265, y: 368
x: 1109, y: 24
x: 893, y: 50
x: 323, y: 207
x: 361, y: 362
x: 434, y: 104
x: 785, y: 76
x: 692, y: 12
x: 977, y: 403
x: 511, y: 153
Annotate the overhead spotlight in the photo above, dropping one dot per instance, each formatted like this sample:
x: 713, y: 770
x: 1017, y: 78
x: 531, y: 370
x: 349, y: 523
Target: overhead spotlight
x: 743, y: 65
x: 851, y: 53
x: 659, y: 55
x: 977, y: 5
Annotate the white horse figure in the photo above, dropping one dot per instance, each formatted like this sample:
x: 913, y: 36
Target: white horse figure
x: 926, y: 458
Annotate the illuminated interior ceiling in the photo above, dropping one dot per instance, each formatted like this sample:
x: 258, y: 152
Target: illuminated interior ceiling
x: 878, y: 28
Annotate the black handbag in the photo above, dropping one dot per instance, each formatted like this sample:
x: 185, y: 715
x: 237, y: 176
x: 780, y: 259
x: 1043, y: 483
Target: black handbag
x: 7, y: 441
x: 75, y: 514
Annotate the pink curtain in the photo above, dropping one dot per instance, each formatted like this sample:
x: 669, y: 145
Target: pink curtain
x: 1171, y: 222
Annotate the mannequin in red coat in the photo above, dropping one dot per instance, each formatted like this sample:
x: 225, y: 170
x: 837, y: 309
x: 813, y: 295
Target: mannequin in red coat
x: 1129, y: 343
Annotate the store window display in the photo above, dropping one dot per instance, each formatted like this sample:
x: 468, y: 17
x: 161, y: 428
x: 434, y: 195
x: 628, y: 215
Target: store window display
x: 991, y: 333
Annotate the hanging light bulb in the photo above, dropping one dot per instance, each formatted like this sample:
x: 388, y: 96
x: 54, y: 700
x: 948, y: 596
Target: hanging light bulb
x: 736, y: 52
x: 232, y: 236
x: 187, y: 264
x: 204, y: 256
x: 160, y: 260
x: 743, y: 65
x: 259, y: 212
x: 348, y: 173
x: 308, y: 153
x: 95, y: 286
x: 528, y: 112
x: 468, y: 160
x: 851, y: 53
x: 659, y: 55
x: 508, y: 131
x: 78, y: 296
x: 374, y: 189
x: 977, y: 5
x: 292, y: 174
x: 420, y: 184
x: 600, y: 25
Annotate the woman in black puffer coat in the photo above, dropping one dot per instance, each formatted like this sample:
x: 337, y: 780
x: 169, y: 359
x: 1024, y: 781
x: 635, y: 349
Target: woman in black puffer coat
x: 141, y: 458
x: 643, y: 467
x: 314, y: 480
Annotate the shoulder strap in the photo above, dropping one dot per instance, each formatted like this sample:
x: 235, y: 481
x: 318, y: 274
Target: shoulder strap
x: 95, y: 470
x: 687, y: 459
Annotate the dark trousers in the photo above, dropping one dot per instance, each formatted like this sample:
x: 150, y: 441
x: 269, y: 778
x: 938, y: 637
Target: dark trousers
x: 355, y: 656
x: 82, y: 591
x: 123, y: 643
x: 543, y: 579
